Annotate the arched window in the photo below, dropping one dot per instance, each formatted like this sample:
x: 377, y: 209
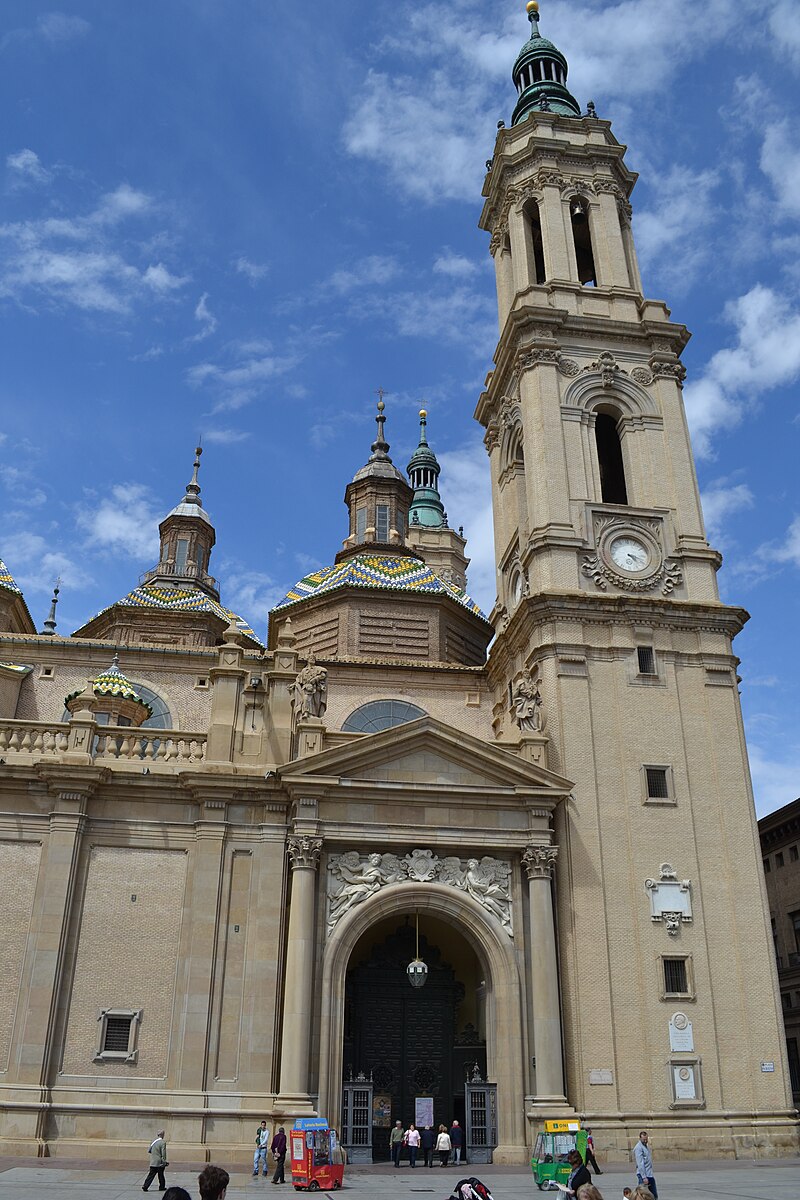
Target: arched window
x: 533, y: 242
x: 582, y: 238
x: 609, y: 457
x: 381, y: 714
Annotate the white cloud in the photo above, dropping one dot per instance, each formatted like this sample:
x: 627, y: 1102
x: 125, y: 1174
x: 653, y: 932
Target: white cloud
x: 204, y: 315
x: 251, y: 270
x: 766, y: 355
x: 27, y: 168
x: 74, y: 260
x: 455, y: 266
x: 252, y: 595
x: 721, y: 501
x: 780, y: 162
x: 373, y: 270
x: 673, y: 235
x: 36, y: 566
x: 61, y: 27
x: 321, y: 434
x: 226, y: 437
x: 784, y: 27
x: 253, y: 368
x: 789, y: 550
x: 776, y: 773
x: 466, y: 492
x: 457, y: 315
x: 125, y: 522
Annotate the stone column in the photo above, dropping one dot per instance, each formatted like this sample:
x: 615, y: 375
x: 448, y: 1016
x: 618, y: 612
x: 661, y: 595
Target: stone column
x: 304, y: 852
x: 539, y: 862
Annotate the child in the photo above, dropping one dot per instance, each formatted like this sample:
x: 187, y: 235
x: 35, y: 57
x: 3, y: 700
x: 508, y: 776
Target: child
x: 626, y: 1194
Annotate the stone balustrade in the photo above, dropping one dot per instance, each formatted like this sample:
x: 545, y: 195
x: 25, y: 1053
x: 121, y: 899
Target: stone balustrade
x: 111, y: 744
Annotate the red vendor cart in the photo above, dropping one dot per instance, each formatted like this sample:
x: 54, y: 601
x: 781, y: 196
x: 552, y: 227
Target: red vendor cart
x: 315, y: 1156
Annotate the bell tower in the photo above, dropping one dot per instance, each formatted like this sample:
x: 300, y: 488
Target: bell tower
x: 607, y: 599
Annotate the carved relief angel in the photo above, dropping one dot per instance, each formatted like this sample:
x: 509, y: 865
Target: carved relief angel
x: 393, y: 868
x: 452, y: 873
x: 356, y: 879
x: 488, y: 882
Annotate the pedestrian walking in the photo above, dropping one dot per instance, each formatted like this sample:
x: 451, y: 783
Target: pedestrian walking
x: 644, y: 1164
x: 396, y: 1142
x: 278, y: 1149
x: 158, y: 1161
x: 443, y: 1146
x: 456, y: 1141
x: 413, y: 1140
x: 579, y: 1174
x: 591, y: 1161
x: 427, y: 1141
x: 262, y: 1145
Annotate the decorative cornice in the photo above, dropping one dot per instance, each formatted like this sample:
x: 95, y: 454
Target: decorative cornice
x: 540, y: 861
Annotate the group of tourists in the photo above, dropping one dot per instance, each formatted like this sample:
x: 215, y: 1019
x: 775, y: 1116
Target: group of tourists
x: 442, y: 1143
x: 579, y: 1182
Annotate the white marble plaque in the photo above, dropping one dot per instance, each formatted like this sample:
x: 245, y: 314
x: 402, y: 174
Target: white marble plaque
x: 601, y: 1075
x: 681, y: 1036
x: 684, y: 1082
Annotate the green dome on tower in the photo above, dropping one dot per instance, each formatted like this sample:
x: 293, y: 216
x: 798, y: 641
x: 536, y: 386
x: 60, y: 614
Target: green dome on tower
x: 540, y: 76
x: 423, y: 474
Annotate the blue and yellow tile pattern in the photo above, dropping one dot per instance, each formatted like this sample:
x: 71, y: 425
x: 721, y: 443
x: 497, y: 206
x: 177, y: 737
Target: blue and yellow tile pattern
x: 168, y: 599
x: 382, y: 572
x: 7, y: 579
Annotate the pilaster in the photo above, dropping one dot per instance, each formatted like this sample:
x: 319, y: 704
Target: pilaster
x: 539, y: 862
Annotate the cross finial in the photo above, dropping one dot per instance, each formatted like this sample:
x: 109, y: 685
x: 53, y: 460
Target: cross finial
x: 50, y: 624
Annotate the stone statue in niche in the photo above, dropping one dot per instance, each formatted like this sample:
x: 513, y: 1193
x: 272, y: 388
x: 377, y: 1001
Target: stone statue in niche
x: 310, y: 691
x: 526, y: 700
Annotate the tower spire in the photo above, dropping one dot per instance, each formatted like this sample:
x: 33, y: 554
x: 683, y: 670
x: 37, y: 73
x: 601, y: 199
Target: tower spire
x: 193, y: 488
x: 540, y: 75
x: 49, y: 627
x: 423, y: 474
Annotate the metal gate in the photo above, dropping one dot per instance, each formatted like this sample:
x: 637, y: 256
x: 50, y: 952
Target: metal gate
x: 357, y: 1119
x: 481, y: 1118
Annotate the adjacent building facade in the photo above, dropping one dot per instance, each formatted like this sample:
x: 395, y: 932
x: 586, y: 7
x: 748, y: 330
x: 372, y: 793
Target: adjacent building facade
x: 220, y: 857
x: 780, y: 846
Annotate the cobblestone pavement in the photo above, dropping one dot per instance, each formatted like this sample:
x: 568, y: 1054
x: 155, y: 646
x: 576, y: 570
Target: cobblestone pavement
x: 30, y: 1179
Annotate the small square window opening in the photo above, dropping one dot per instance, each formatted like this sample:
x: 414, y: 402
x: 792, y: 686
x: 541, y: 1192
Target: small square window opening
x: 657, y: 783
x: 118, y: 1035
x: 675, y: 977
x: 647, y: 660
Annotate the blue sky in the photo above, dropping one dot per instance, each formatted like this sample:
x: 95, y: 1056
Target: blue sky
x: 239, y: 220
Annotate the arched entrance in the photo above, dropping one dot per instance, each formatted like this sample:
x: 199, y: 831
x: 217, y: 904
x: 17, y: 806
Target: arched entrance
x: 455, y: 916
x: 413, y: 1043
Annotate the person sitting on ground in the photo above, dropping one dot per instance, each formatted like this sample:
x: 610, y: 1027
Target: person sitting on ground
x: 213, y: 1183
x: 176, y: 1193
x: 589, y: 1192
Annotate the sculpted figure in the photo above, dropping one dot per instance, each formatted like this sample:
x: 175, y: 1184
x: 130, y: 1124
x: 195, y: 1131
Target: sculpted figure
x: 527, y: 703
x: 489, y: 886
x: 358, y: 878
x: 310, y: 691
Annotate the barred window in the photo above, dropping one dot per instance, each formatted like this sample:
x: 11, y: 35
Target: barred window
x: 657, y: 783
x: 118, y: 1035
x: 647, y: 660
x: 675, y: 977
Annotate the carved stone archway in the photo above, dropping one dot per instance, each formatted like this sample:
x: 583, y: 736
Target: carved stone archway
x: 504, y: 998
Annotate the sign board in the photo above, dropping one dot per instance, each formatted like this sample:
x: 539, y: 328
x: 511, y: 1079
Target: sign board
x: 423, y: 1111
x: 681, y: 1035
x: 311, y: 1123
x: 601, y: 1075
x: 382, y: 1110
x: 768, y: 1067
x: 562, y: 1126
x: 684, y: 1082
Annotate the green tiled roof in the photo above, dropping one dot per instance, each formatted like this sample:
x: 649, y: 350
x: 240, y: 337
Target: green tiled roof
x: 183, y: 599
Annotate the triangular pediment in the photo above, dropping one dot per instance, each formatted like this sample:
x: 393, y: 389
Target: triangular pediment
x: 428, y: 753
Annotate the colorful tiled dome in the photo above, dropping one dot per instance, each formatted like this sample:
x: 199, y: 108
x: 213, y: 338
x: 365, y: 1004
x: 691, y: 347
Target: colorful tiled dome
x: 380, y: 571
x: 7, y: 579
x: 113, y: 683
x: 183, y: 599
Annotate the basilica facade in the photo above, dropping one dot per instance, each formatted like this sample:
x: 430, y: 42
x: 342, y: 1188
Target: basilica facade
x: 228, y: 866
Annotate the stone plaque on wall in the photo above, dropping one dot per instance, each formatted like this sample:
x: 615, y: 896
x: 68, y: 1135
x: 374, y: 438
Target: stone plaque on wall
x: 681, y: 1035
x: 601, y: 1075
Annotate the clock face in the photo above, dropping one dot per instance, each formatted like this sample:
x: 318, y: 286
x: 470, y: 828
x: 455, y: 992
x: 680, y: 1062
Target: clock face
x: 629, y: 554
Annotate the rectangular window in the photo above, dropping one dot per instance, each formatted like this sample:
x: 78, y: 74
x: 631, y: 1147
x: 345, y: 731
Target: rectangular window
x: 647, y: 660
x: 382, y: 523
x: 779, y: 859
x: 675, y: 977
x: 793, y: 854
x: 119, y: 1028
x: 181, y: 554
x: 794, y: 1064
x: 795, y: 919
x: 657, y: 783
x: 767, y: 866
x: 361, y: 523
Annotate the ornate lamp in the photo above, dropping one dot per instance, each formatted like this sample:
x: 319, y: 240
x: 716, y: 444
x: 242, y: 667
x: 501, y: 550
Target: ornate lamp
x: 416, y: 970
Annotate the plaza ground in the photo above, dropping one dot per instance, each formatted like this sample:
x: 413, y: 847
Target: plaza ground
x: 29, y: 1179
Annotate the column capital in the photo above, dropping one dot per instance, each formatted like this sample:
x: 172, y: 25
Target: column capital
x: 304, y: 851
x: 540, y: 861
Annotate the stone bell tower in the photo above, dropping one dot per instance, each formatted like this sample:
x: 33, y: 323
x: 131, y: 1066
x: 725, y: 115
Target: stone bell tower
x: 607, y: 597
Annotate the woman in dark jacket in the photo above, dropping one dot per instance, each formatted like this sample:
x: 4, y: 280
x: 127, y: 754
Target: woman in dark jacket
x: 579, y: 1173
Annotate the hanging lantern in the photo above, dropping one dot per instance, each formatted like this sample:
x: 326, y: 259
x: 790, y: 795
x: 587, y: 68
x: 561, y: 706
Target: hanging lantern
x: 416, y: 970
